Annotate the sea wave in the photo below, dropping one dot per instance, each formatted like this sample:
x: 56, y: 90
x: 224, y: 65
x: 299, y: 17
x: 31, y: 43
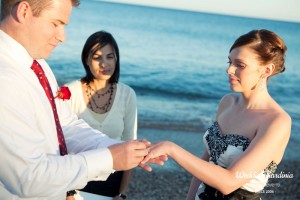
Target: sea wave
x: 174, y: 93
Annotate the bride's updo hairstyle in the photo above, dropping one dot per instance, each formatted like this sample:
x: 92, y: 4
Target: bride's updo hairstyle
x: 269, y: 47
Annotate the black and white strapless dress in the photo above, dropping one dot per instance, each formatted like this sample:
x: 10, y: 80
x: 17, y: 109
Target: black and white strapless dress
x: 225, y: 149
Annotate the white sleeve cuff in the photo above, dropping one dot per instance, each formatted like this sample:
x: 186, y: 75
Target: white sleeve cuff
x: 99, y: 164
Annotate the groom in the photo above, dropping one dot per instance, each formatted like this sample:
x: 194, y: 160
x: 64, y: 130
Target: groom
x: 45, y: 150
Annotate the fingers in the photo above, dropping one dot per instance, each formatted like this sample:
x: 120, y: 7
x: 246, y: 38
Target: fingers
x: 134, y: 153
x: 147, y: 158
x: 128, y: 155
x: 163, y: 157
x: 158, y: 161
x: 146, y: 142
x: 157, y: 154
x: 151, y: 158
x: 140, y: 153
x: 145, y: 167
x: 138, y: 144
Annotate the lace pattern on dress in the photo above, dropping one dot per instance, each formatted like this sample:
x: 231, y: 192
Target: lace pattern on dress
x: 270, y: 169
x: 218, y: 143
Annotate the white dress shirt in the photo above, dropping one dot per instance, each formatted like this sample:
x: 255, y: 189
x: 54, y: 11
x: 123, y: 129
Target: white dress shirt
x: 31, y: 167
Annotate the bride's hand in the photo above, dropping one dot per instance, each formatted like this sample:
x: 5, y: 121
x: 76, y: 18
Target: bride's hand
x: 157, y: 152
x: 158, y: 161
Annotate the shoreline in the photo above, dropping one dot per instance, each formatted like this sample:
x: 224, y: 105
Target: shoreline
x: 172, y: 182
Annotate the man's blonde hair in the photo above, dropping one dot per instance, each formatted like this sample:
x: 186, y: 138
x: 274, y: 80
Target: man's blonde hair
x: 37, y: 6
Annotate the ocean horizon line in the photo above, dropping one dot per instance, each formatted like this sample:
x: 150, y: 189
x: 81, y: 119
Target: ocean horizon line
x: 199, y: 11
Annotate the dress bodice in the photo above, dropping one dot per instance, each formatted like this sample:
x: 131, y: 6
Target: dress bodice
x: 224, y: 149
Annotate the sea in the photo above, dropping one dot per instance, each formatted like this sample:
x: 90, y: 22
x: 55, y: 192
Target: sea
x: 175, y: 61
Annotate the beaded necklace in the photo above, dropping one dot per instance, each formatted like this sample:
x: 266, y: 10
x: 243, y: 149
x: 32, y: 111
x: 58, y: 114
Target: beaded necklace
x: 97, y: 96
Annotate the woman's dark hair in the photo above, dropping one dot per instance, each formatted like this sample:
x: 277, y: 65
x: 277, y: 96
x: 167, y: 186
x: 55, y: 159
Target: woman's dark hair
x: 269, y: 47
x: 94, y: 43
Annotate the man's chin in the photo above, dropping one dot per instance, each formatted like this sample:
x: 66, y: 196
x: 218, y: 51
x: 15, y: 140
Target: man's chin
x: 42, y: 56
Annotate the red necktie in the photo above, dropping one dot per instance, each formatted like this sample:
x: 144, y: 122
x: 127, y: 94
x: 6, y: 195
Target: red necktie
x: 36, y: 67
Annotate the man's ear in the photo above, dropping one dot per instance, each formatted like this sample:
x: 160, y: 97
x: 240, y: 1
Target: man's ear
x: 22, y: 11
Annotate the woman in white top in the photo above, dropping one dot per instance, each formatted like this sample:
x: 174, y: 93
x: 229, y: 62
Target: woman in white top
x: 105, y: 104
x: 248, y: 139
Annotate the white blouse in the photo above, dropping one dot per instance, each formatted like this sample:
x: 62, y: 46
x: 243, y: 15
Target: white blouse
x: 118, y: 123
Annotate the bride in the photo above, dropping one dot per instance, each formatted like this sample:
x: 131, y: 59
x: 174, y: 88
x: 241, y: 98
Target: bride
x: 251, y: 131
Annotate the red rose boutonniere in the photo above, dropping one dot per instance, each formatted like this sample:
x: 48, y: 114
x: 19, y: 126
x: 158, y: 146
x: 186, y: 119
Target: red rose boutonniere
x: 63, y: 93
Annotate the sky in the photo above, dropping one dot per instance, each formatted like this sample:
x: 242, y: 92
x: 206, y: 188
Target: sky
x: 283, y: 10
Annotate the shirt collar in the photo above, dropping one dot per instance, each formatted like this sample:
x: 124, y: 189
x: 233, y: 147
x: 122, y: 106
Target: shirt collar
x: 15, y: 50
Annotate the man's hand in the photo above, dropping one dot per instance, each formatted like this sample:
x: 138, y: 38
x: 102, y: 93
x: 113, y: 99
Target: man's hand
x: 129, y: 154
x: 70, y: 198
